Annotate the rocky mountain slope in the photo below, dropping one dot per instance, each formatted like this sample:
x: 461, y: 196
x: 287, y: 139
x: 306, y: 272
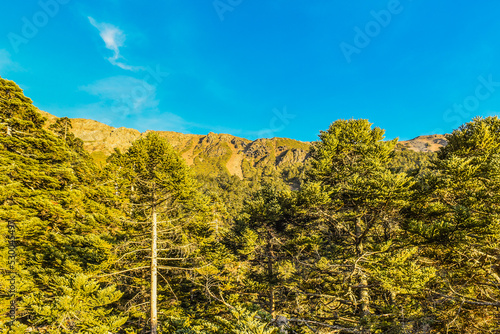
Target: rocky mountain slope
x: 213, y: 153
x: 208, y: 154
x: 430, y: 143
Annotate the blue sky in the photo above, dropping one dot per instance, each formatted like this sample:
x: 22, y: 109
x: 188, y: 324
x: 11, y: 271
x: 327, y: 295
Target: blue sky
x: 262, y: 68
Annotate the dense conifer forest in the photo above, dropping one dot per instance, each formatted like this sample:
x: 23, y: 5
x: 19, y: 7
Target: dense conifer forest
x: 362, y: 238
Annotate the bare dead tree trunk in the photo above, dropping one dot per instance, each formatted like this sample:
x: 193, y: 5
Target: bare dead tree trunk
x: 65, y: 131
x: 364, y: 295
x: 154, y: 269
x: 270, y: 259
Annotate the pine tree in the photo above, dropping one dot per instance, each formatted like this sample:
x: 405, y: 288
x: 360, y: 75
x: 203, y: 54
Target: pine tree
x: 262, y: 238
x: 77, y: 304
x: 168, y: 221
x: 355, y: 202
x: 455, y: 220
x: 45, y: 189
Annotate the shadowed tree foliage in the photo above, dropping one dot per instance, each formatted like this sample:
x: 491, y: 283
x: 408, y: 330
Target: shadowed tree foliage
x: 455, y: 220
x: 360, y: 262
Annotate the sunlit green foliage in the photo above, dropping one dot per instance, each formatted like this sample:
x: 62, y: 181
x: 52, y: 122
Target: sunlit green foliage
x: 48, y: 188
x: 362, y: 238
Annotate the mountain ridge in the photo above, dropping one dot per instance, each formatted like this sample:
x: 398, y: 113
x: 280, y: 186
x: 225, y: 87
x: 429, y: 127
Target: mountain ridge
x: 214, y: 153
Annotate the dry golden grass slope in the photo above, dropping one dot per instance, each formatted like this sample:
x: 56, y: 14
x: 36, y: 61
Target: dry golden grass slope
x: 430, y: 143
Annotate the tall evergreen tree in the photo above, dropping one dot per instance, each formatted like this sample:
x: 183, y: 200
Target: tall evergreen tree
x: 261, y: 238
x: 355, y: 201
x: 455, y: 220
x: 61, y: 230
x: 168, y: 221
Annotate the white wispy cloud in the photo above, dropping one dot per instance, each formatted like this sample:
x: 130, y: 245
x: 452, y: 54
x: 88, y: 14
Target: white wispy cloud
x: 6, y: 62
x: 114, y: 38
x: 126, y: 95
x: 124, y: 101
x: 130, y: 102
x: 165, y: 121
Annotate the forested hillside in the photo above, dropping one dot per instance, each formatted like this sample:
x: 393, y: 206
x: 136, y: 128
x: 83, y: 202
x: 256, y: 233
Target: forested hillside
x: 349, y: 234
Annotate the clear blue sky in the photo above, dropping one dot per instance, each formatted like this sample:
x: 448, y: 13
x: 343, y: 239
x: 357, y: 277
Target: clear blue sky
x: 262, y: 68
